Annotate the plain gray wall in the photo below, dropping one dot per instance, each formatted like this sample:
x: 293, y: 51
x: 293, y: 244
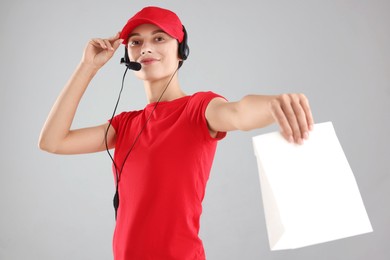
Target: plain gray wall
x: 336, y: 52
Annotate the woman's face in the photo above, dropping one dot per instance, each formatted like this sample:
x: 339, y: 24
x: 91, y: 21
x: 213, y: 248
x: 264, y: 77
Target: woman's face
x: 155, y: 50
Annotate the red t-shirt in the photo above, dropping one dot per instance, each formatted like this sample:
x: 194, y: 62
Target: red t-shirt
x: 163, y: 181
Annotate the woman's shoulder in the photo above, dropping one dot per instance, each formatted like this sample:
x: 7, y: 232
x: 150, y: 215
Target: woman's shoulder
x: 205, y: 96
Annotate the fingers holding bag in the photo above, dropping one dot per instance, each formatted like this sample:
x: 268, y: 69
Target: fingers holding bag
x: 293, y: 114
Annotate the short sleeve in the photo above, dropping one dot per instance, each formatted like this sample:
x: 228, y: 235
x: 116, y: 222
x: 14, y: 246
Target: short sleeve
x: 197, y: 112
x: 116, y: 121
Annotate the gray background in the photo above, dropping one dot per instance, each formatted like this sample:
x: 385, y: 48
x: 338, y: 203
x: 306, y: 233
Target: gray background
x: 60, y: 207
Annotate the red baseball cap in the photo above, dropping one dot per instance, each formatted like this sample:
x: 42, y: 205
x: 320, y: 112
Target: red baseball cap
x: 165, y: 19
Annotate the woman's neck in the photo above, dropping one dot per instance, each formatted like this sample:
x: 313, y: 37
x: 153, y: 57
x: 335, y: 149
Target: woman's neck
x: 165, y: 89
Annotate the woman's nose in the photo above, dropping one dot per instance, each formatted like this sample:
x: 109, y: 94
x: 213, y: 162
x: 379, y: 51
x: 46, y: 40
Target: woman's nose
x: 146, y: 48
x: 143, y: 52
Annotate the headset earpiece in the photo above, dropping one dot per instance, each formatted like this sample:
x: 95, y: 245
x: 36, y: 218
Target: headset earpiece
x: 184, y: 50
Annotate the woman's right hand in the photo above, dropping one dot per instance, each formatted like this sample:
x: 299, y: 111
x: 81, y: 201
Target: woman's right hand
x: 98, y: 51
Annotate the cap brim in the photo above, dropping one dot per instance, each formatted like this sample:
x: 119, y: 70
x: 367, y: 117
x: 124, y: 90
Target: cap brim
x: 131, y: 25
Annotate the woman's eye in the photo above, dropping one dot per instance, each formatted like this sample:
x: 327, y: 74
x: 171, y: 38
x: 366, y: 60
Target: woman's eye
x: 159, y: 39
x: 134, y: 43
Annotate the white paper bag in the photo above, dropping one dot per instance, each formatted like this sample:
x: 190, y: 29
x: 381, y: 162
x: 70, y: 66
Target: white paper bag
x: 309, y: 192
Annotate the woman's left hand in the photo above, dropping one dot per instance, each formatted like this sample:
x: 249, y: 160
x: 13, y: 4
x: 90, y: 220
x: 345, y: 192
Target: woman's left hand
x: 293, y: 115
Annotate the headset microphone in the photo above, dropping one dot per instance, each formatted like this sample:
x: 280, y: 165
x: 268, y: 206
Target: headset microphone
x: 133, y: 65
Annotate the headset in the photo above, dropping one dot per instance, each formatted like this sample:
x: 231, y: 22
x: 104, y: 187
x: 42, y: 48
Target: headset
x: 183, y: 51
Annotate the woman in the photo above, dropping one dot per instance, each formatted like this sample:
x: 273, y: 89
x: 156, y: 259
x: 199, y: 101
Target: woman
x: 163, y: 153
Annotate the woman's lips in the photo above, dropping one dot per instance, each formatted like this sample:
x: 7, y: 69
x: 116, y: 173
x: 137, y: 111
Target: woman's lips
x: 147, y: 61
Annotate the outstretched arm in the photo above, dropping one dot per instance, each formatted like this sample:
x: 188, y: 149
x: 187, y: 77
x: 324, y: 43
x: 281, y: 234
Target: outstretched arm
x: 56, y: 135
x: 290, y: 111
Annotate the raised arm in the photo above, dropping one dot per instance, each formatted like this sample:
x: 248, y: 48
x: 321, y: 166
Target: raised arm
x: 56, y: 135
x: 290, y: 111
